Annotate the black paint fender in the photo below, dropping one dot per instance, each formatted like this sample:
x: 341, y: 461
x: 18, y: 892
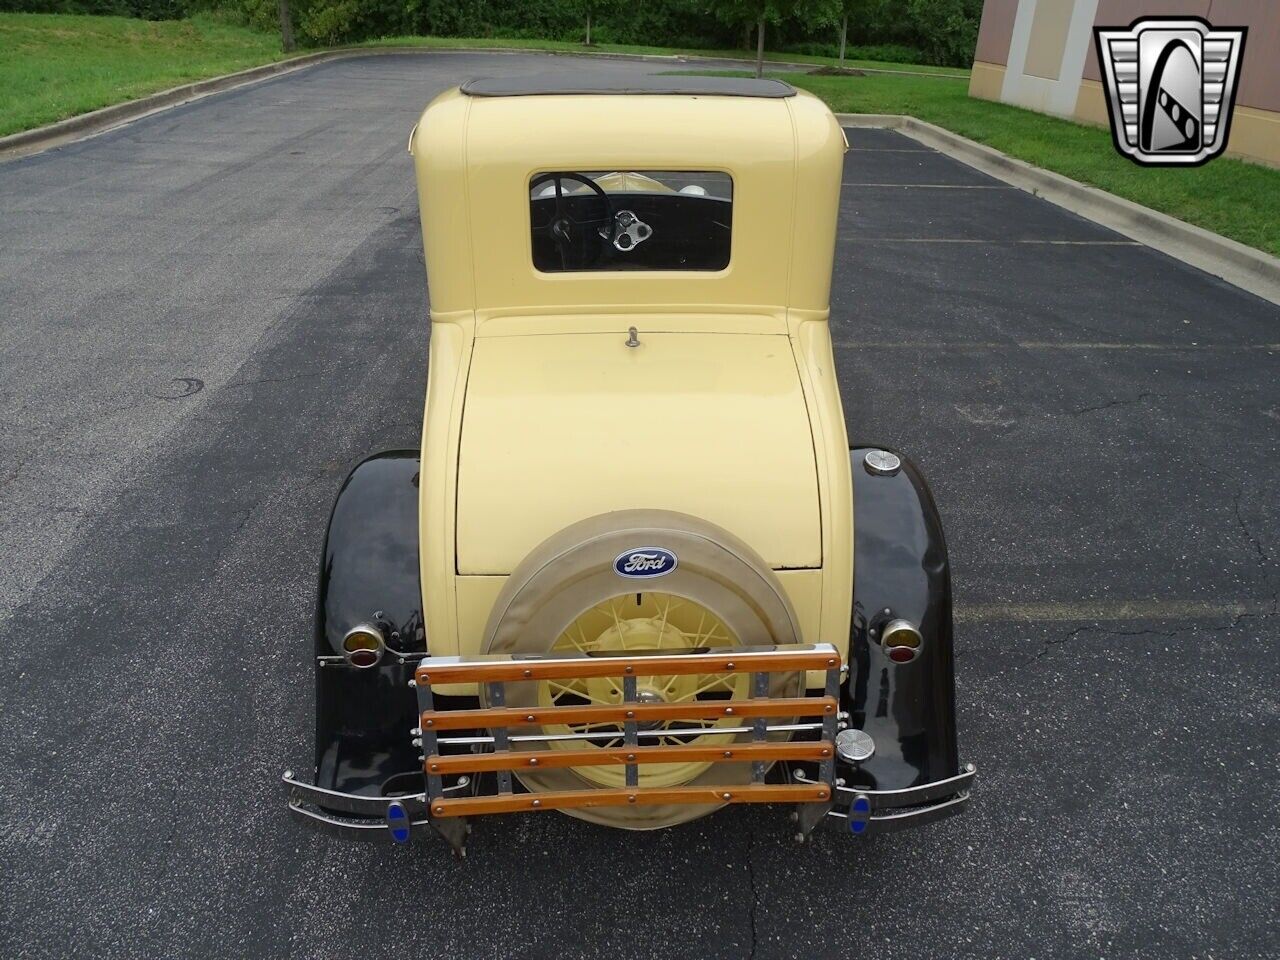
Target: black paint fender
x: 900, y: 566
x: 369, y: 574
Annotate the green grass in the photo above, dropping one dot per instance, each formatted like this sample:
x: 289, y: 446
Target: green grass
x: 53, y: 66
x: 566, y: 46
x: 1236, y: 199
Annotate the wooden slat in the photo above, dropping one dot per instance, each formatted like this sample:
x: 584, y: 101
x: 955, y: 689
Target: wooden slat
x: 492, y: 671
x: 640, y: 796
x: 603, y: 756
x: 641, y: 712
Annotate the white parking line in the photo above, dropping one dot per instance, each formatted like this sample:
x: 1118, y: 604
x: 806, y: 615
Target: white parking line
x: 1052, y: 243
x: 1048, y: 345
x: 936, y: 186
x: 1109, y: 611
x: 1237, y: 263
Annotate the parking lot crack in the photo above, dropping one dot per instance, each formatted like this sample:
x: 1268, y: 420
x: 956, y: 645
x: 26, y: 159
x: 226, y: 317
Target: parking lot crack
x: 1052, y: 642
x: 1263, y: 561
x: 1123, y: 402
x: 230, y: 540
x: 254, y: 383
x: 11, y: 473
x: 313, y: 375
x: 1197, y: 628
x: 755, y: 892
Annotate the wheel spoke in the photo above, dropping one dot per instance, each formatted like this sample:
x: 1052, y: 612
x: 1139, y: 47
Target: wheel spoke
x: 587, y: 727
x: 580, y: 647
x: 666, y: 611
x: 620, y: 625
x: 584, y: 691
x: 724, y: 682
x: 617, y: 624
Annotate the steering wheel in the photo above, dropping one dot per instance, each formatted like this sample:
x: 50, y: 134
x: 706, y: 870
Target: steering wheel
x: 572, y: 236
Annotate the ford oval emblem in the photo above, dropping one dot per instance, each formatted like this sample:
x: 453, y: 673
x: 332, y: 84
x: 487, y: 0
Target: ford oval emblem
x: 641, y: 563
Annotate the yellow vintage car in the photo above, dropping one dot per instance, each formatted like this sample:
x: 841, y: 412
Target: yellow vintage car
x: 636, y: 571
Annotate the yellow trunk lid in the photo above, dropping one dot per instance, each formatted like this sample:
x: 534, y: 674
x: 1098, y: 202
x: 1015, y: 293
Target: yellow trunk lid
x: 561, y: 427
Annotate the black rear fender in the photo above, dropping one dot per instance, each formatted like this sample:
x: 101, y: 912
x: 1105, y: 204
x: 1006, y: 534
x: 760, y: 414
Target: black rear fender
x: 900, y: 571
x: 369, y: 575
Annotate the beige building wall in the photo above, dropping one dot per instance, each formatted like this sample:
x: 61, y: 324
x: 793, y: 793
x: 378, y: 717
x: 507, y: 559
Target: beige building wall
x: 992, y: 53
x: 1040, y: 54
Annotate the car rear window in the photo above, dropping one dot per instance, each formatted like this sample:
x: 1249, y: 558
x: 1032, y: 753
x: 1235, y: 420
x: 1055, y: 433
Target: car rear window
x: 631, y: 220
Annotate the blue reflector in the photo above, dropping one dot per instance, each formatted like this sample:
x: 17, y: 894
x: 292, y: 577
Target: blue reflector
x: 859, y: 813
x: 398, y: 822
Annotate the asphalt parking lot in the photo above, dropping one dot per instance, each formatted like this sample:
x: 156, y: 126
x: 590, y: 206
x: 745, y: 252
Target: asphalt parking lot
x: 211, y: 314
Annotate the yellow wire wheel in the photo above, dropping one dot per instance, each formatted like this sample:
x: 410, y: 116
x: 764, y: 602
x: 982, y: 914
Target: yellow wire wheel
x: 566, y: 597
x: 643, y: 622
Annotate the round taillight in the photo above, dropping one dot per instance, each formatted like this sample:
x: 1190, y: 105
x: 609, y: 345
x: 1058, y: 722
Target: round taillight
x: 363, y: 646
x: 363, y: 658
x: 902, y: 654
x: 900, y: 633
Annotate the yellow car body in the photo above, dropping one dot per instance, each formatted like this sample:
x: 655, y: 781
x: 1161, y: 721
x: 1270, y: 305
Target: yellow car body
x: 618, y: 577
x: 539, y: 415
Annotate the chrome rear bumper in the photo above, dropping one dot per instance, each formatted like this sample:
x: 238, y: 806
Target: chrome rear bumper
x: 354, y: 815
x: 363, y: 817
x: 885, y: 811
x: 512, y: 739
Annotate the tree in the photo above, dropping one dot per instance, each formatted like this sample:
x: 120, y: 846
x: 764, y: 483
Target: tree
x: 286, y: 26
x: 947, y: 29
x: 592, y: 9
x: 844, y: 27
x: 758, y: 13
x: 814, y: 15
x: 842, y: 11
x: 746, y: 13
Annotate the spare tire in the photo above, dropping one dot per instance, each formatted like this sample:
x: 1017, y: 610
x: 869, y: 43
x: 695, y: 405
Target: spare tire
x: 640, y: 580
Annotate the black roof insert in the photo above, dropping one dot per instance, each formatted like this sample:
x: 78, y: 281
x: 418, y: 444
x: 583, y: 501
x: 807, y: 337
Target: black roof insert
x: 583, y: 84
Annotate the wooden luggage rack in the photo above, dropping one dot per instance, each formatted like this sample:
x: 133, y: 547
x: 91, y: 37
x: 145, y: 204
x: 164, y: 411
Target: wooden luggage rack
x: 530, y: 749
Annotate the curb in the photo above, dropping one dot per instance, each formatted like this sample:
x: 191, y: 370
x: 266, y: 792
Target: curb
x: 28, y: 142
x: 1238, y: 264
